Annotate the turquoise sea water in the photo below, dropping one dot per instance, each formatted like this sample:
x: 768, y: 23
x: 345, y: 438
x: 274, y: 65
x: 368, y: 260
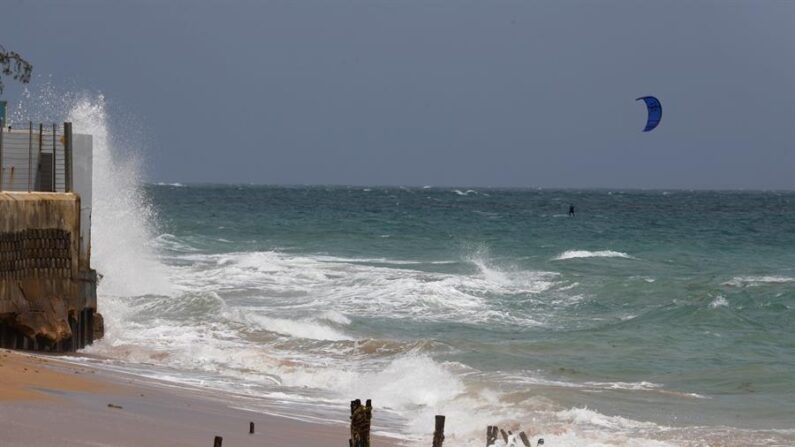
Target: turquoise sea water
x: 649, y: 318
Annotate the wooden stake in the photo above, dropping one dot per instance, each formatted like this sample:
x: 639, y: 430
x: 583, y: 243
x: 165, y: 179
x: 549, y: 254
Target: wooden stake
x: 524, y: 439
x: 504, y: 435
x: 360, y: 423
x: 354, y: 405
x: 438, y: 433
x: 218, y: 441
x: 251, y: 428
x: 491, y: 435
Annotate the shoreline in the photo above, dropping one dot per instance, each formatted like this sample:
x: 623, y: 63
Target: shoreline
x: 45, y: 401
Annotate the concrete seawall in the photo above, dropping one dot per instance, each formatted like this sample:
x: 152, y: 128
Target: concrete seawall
x: 48, y: 295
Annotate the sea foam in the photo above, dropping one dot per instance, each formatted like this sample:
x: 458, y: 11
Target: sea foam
x: 574, y: 254
x: 752, y: 281
x: 719, y: 301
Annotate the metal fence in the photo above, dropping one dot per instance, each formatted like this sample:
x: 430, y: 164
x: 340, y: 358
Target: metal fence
x: 36, y: 158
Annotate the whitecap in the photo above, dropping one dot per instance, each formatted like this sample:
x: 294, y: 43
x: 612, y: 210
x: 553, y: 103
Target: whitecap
x: 719, y: 301
x: 587, y: 417
x: 306, y: 328
x: 335, y: 317
x: 751, y: 281
x: 575, y: 254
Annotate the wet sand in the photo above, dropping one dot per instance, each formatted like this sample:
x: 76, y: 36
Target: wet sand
x: 45, y: 402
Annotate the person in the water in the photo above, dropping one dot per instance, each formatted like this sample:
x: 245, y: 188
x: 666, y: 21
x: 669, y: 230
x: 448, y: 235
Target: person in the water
x: 571, y: 210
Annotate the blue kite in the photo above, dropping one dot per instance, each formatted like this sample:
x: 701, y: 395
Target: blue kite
x: 655, y: 112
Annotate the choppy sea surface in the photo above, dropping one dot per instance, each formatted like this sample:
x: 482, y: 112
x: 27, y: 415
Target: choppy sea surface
x: 650, y: 318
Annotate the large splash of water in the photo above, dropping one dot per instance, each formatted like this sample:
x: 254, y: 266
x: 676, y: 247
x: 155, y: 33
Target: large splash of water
x: 122, y: 218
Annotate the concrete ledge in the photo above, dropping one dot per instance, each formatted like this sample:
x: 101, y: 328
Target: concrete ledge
x: 46, y: 290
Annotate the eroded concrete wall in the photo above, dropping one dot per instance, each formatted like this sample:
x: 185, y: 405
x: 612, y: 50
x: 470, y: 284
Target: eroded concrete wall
x: 47, y: 291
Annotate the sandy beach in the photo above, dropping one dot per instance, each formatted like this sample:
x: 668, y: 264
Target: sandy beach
x: 46, y: 402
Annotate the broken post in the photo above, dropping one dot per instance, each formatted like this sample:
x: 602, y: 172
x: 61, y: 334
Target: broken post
x: 504, y: 435
x: 361, y: 415
x: 491, y: 435
x: 438, y: 433
x: 524, y: 439
x: 354, y: 404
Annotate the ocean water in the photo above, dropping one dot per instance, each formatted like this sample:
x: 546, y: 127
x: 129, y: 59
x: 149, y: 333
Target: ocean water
x: 651, y: 318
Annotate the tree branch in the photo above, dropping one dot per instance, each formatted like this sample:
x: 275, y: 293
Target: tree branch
x: 12, y: 64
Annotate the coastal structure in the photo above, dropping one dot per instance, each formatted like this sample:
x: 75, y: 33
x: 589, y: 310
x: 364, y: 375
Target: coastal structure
x: 48, y: 299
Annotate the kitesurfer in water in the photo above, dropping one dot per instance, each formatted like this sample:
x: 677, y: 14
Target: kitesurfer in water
x: 571, y: 210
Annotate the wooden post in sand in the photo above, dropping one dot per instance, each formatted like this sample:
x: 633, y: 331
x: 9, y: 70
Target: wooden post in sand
x: 360, y: 423
x: 524, y: 439
x: 491, y: 435
x: 504, y: 435
x: 438, y: 433
x: 354, y: 405
x: 251, y: 428
x: 218, y: 441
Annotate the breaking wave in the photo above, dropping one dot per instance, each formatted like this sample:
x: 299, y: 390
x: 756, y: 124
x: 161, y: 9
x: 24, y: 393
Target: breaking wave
x: 752, y: 281
x: 575, y: 254
x: 292, y: 284
x: 307, y: 328
x: 719, y: 301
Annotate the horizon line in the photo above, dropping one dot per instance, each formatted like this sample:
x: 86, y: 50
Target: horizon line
x: 417, y: 186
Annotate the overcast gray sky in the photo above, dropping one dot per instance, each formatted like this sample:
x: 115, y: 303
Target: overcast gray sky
x: 489, y: 93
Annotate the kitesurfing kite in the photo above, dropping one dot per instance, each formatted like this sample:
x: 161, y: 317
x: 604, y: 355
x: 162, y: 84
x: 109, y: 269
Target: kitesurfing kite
x: 655, y: 112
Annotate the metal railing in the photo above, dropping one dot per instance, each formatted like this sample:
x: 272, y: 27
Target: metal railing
x: 36, y: 158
